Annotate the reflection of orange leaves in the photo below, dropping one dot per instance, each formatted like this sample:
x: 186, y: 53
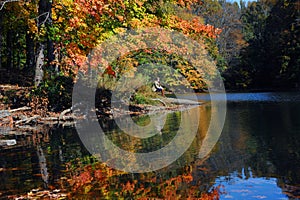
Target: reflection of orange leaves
x: 187, y: 178
x: 169, y: 192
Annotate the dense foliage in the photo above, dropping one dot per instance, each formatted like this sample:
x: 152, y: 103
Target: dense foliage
x: 56, y: 37
x: 271, y: 58
x: 46, y: 43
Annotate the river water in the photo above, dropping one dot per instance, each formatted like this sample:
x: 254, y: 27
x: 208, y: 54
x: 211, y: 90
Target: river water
x: 256, y: 157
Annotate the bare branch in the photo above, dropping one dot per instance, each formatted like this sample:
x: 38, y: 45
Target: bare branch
x: 43, y: 22
x: 2, y: 3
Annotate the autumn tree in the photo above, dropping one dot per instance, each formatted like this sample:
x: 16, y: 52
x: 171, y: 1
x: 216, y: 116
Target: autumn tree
x: 90, y: 23
x: 51, y: 40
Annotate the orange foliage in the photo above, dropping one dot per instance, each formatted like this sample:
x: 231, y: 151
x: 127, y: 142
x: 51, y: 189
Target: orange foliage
x: 86, y: 23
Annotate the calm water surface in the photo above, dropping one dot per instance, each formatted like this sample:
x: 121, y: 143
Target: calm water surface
x: 256, y: 157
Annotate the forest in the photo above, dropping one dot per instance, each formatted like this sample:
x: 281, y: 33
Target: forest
x: 46, y: 48
x: 44, y: 44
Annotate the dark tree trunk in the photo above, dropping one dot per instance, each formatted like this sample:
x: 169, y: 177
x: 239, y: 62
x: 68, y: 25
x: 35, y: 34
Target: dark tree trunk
x: 50, y: 52
x: 1, y: 33
x: 30, y: 57
x: 9, y: 49
x: 46, y: 18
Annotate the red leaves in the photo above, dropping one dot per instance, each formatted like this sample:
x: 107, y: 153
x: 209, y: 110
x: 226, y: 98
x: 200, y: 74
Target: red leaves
x: 110, y: 72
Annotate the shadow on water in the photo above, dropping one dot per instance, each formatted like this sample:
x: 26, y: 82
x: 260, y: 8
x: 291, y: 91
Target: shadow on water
x: 258, y: 151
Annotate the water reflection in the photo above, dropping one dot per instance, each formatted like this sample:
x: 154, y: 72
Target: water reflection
x: 260, y: 135
x: 38, y: 159
x: 244, y: 186
x: 250, y: 97
x: 264, y: 136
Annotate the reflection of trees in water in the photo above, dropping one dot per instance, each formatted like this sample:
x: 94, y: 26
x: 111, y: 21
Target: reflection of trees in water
x: 37, y: 159
x: 176, y: 180
x: 165, y: 126
x: 255, y: 136
x: 263, y: 137
x: 24, y: 164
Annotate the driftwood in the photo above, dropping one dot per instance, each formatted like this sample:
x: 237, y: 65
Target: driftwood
x: 28, y: 120
x: 49, y: 119
x: 7, y: 113
x: 20, y: 109
x: 63, y: 113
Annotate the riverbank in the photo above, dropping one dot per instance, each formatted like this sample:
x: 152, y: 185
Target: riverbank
x: 20, y: 110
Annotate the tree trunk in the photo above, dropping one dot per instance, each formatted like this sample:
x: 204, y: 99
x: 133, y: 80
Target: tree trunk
x: 39, y: 73
x: 44, y: 18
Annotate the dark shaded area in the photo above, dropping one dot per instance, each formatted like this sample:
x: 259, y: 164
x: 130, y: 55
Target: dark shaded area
x: 271, y: 59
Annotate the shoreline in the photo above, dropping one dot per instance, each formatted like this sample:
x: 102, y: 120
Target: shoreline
x: 25, y: 119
